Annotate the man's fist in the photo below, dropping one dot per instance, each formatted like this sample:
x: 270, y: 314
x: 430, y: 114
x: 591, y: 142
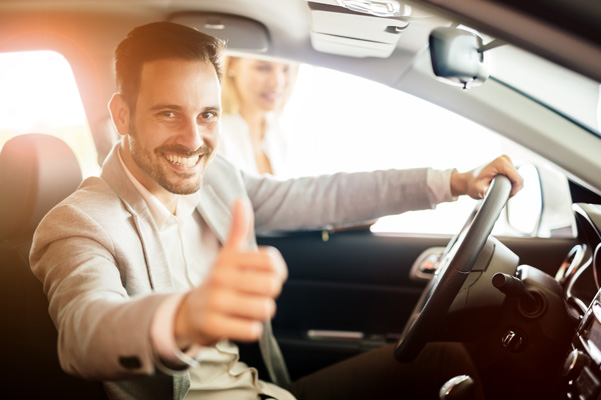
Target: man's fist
x: 475, y: 183
x: 239, y: 293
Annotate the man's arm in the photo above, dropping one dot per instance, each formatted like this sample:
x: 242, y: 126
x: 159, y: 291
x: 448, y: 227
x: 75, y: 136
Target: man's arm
x: 338, y: 199
x: 348, y: 198
x: 103, y: 332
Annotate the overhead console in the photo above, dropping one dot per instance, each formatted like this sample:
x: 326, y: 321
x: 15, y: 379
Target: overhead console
x: 241, y: 33
x: 357, y: 28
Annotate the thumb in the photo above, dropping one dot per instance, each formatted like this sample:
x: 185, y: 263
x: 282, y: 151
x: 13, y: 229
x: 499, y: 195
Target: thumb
x: 482, y: 190
x: 240, y: 228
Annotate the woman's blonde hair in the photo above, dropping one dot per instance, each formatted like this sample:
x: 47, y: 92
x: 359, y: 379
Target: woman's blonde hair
x: 230, y: 99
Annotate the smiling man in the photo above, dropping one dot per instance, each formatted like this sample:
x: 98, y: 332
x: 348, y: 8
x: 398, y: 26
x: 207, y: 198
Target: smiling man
x: 171, y: 131
x: 152, y: 269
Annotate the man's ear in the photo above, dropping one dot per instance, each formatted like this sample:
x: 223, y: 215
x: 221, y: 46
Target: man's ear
x: 119, y: 113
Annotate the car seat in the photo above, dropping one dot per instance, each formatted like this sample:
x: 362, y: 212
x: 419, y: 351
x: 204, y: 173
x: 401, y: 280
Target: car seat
x: 37, y: 171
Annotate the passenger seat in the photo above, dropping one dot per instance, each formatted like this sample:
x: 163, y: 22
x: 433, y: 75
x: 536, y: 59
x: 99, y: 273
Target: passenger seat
x: 37, y: 171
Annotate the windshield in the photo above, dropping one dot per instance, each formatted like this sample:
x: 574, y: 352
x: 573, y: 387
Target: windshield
x: 560, y: 89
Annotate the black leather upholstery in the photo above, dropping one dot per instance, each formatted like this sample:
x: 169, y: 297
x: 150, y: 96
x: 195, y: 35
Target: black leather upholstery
x: 37, y: 171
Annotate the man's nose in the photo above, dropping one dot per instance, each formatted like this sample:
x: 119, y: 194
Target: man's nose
x: 191, y: 136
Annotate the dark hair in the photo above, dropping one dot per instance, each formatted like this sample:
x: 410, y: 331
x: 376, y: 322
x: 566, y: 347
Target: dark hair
x: 158, y: 41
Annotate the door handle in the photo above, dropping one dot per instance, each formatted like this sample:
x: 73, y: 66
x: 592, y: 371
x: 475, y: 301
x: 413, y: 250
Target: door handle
x: 425, y: 265
x: 339, y: 336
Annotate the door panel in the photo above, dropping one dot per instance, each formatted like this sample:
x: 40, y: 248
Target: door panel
x: 354, y: 281
x: 358, y: 283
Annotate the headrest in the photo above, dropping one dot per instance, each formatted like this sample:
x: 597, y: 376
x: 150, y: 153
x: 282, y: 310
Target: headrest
x: 37, y: 171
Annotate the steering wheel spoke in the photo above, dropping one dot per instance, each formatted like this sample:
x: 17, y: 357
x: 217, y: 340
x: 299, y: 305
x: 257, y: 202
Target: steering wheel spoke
x: 457, y: 263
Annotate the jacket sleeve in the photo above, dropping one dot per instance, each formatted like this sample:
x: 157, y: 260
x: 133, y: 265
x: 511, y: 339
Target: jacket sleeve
x: 103, y: 332
x: 338, y: 199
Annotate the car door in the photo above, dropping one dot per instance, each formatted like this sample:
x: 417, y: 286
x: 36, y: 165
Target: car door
x: 353, y: 290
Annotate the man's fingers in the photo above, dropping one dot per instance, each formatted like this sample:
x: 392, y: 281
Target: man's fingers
x: 483, y: 190
x: 240, y: 228
x: 500, y: 166
x: 208, y: 314
x: 238, y: 329
x: 507, y: 168
x: 239, y: 305
x: 255, y: 282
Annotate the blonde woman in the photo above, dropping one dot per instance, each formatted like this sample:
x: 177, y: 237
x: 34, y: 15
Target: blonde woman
x: 254, y: 94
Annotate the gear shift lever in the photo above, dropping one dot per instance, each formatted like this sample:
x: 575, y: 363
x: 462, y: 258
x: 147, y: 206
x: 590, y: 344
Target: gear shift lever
x: 458, y: 388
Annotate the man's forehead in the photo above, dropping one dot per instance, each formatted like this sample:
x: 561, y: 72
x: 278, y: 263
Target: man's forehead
x: 180, y: 78
x: 164, y: 65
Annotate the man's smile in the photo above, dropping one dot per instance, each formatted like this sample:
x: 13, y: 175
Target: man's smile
x: 183, y: 161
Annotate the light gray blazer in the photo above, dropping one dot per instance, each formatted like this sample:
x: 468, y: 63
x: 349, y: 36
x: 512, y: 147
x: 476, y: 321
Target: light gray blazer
x: 104, y: 270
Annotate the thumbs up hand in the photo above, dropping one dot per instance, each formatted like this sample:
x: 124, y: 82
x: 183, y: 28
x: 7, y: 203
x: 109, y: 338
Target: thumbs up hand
x: 238, y: 295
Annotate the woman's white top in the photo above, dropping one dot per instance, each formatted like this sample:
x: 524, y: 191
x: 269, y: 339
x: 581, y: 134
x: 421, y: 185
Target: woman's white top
x: 236, y: 146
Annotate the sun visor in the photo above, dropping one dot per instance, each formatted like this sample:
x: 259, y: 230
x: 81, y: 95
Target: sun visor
x: 337, y: 30
x: 240, y: 33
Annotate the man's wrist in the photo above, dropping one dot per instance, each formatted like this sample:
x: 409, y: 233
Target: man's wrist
x: 174, y: 353
x: 458, y: 183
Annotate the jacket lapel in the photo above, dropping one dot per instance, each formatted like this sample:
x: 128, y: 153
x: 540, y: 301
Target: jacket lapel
x: 215, y: 212
x: 222, y: 186
x: 154, y: 253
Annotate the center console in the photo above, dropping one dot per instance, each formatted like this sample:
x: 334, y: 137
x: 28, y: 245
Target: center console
x: 582, y: 366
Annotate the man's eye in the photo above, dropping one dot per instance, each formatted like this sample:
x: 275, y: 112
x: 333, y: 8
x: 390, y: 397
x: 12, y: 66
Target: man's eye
x: 168, y: 116
x: 208, y: 115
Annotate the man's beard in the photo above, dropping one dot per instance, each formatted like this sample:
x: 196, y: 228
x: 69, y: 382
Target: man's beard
x: 152, y: 165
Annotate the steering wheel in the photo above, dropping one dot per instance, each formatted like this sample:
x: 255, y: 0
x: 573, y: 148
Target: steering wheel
x: 455, y: 265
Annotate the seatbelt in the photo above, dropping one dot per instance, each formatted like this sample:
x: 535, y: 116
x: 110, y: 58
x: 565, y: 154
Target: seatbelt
x: 272, y: 357
x: 270, y: 351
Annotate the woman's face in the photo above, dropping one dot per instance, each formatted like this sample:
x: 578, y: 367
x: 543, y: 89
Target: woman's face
x: 261, y: 85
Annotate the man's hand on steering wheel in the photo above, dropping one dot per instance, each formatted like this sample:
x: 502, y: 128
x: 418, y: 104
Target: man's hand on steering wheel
x: 475, y: 183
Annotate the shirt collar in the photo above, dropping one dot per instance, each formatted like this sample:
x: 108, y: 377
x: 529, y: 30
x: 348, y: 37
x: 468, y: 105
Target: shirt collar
x: 185, y: 203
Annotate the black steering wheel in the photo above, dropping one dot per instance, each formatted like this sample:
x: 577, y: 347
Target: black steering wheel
x: 455, y: 265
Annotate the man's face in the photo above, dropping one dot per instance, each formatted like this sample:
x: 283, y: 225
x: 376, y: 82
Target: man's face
x: 175, y: 127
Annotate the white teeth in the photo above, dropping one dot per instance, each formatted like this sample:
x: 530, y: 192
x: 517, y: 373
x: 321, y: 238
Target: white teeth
x: 183, y: 161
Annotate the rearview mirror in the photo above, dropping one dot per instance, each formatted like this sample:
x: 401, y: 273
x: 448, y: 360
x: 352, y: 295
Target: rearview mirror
x: 458, y: 57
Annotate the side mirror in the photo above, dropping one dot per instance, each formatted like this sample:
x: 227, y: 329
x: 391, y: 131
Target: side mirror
x: 524, y: 210
x: 458, y: 57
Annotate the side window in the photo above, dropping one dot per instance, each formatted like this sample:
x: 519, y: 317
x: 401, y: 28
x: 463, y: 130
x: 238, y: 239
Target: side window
x: 38, y: 94
x: 377, y: 127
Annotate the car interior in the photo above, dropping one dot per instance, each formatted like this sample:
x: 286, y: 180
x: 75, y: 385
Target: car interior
x: 526, y: 304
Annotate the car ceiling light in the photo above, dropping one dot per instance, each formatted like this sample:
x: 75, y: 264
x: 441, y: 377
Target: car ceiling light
x: 379, y: 8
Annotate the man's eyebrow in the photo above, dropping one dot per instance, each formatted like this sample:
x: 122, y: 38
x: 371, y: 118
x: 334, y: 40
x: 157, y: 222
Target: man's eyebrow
x: 213, y: 108
x: 165, y: 107
x: 159, y: 107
